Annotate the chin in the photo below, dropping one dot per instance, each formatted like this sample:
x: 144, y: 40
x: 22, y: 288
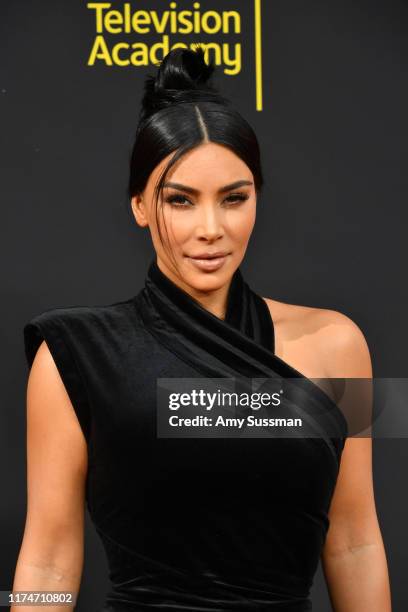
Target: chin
x: 207, y: 281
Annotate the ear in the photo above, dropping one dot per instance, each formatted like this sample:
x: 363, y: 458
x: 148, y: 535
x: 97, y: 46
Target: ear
x: 139, y: 210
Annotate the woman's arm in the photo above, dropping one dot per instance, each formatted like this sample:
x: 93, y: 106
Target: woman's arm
x: 51, y: 553
x: 353, y: 558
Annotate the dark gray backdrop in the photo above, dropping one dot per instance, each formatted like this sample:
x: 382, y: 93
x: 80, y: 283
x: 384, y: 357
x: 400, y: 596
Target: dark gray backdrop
x: 331, y: 222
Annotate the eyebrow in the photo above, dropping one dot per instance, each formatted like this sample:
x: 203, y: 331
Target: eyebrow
x: 188, y: 189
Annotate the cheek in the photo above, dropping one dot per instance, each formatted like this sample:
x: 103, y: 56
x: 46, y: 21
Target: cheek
x: 241, y: 224
x: 176, y: 226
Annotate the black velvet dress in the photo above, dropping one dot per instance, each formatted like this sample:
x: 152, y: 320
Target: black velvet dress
x: 204, y: 524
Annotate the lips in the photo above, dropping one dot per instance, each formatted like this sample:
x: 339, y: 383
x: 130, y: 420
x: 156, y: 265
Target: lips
x: 209, y: 262
x: 215, y: 255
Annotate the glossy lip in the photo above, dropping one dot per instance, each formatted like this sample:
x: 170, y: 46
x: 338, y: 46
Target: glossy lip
x: 207, y: 255
x: 207, y: 263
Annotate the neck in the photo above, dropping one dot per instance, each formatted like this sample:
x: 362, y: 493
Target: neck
x: 215, y: 301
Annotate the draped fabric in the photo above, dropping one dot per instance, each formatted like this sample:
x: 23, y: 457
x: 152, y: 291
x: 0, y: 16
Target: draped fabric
x: 192, y: 524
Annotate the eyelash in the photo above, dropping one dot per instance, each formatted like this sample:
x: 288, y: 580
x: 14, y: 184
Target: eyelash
x: 238, y: 198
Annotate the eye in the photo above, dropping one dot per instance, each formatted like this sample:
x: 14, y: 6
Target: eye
x: 177, y: 201
x: 180, y: 201
x: 236, y: 198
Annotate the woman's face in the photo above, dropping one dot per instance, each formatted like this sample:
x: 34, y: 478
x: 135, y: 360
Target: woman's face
x: 209, y: 207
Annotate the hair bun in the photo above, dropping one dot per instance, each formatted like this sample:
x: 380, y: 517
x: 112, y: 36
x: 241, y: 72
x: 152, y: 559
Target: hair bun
x: 184, y: 69
x: 183, y: 76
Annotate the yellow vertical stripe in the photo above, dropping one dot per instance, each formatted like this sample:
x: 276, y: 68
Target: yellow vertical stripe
x: 258, y: 55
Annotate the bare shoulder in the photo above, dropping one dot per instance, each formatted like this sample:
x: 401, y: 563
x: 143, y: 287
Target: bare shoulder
x: 329, y: 336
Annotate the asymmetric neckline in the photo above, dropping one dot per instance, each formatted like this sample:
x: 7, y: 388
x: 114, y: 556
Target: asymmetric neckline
x: 242, y: 344
x: 239, y: 310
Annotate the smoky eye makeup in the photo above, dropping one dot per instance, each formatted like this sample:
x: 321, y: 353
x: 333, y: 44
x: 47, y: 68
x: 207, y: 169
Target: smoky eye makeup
x: 177, y: 199
x: 182, y: 201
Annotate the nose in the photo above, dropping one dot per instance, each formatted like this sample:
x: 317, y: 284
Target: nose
x: 209, y: 224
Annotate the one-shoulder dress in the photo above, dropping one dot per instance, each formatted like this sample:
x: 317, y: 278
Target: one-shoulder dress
x: 203, y: 524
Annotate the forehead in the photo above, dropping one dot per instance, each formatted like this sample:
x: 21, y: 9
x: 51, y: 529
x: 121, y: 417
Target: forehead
x: 209, y: 165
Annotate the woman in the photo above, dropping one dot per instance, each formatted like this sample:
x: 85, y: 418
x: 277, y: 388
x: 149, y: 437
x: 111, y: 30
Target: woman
x: 229, y: 523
